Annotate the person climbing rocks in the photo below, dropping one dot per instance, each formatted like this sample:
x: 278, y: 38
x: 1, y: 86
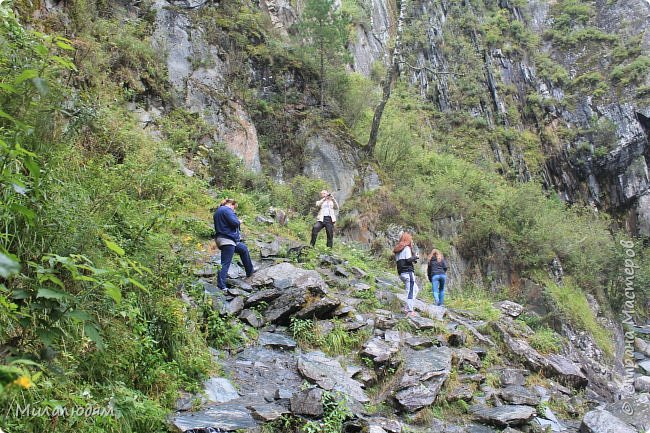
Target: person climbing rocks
x: 437, y: 273
x: 405, y: 258
x: 228, y: 238
x: 328, y: 207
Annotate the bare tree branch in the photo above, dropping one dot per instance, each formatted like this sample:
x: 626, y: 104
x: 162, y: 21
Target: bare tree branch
x: 433, y: 71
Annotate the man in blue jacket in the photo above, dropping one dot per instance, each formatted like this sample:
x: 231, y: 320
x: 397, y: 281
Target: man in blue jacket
x: 226, y: 226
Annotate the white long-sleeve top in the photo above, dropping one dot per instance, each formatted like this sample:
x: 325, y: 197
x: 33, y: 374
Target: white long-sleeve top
x: 327, y: 207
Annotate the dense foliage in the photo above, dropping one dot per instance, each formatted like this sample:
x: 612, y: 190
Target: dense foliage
x: 91, y: 208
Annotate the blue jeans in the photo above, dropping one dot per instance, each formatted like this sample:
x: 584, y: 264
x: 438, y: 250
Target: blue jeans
x: 227, y: 253
x: 438, y: 285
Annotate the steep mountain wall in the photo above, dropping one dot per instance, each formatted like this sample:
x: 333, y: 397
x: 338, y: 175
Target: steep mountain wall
x: 504, y: 62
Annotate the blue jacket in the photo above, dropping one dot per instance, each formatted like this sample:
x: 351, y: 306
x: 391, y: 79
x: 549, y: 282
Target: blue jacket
x: 226, y: 223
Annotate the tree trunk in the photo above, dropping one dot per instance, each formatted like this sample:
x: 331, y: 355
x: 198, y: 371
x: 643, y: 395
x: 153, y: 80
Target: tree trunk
x: 322, y: 74
x: 391, y: 76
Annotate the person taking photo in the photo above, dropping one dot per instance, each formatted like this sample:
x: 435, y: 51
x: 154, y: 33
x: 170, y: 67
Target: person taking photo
x: 228, y: 238
x: 328, y: 207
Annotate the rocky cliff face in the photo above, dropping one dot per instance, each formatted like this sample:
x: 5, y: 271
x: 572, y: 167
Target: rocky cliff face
x: 607, y: 168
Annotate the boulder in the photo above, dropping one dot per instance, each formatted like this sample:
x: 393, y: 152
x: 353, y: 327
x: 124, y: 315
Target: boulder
x: 283, y: 307
x: 277, y: 341
x: 321, y: 309
x: 269, y: 249
x: 510, y: 308
x: 642, y: 346
x: 266, y: 296
x: 235, y: 306
x: 517, y: 394
x: 379, y: 350
x: 503, y: 416
x: 416, y: 397
x: 285, y: 275
x: 308, y: 402
x: 424, y: 372
x: 251, y: 317
x: 329, y: 375
x: 422, y: 323
x: 512, y: 376
x: 602, y: 421
x: 382, y: 424
x: 547, y: 419
x: 642, y: 384
x: 464, y: 356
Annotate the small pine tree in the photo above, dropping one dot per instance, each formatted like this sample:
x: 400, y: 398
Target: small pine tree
x: 324, y: 31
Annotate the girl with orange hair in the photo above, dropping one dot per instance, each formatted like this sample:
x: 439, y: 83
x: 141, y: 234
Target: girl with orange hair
x: 405, y: 258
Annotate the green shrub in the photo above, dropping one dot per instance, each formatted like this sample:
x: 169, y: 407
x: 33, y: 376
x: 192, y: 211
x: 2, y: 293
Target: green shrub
x: 546, y: 340
x: 571, y: 301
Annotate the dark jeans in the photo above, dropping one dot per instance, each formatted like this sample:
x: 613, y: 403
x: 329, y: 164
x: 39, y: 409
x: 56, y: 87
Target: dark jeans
x: 227, y: 253
x: 329, y: 229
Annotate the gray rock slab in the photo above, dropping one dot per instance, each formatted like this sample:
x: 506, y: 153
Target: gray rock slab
x: 503, y: 416
x: 308, y: 402
x: 284, y: 275
x: 422, y: 323
x: 634, y: 410
x: 268, y: 412
x: 418, y: 396
x: 602, y: 421
x: 558, y: 366
x: 642, y: 384
x: 235, y: 306
x: 462, y: 392
x: 386, y: 424
x: 379, y: 350
x: 219, y: 390
x: 262, y: 368
x: 513, y: 376
x: 422, y: 365
x: 329, y: 375
x: 323, y: 308
x: 222, y: 418
x: 645, y: 366
x: 419, y: 342
x: 510, y: 308
x: 251, y: 317
x: 275, y: 340
x: 547, y: 419
x: 424, y: 372
x: 517, y: 394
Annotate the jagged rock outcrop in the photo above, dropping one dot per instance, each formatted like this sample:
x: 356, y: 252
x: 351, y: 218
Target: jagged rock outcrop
x: 197, y: 72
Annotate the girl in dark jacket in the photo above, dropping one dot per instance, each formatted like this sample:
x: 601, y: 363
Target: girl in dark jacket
x: 404, y: 258
x: 436, y: 271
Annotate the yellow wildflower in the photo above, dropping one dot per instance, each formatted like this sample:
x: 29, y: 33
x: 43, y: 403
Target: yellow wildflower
x: 24, y: 382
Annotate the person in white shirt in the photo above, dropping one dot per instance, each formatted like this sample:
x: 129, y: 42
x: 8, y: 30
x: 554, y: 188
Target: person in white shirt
x: 328, y: 207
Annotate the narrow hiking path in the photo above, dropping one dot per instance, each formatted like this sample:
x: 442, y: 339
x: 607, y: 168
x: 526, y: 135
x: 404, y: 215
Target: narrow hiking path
x: 318, y: 340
